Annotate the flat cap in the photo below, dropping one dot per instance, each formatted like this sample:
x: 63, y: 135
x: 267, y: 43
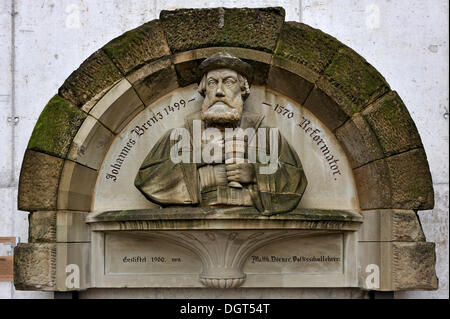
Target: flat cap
x: 224, y: 60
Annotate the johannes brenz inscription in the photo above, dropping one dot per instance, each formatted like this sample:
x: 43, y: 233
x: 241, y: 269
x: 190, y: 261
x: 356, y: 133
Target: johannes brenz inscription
x: 223, y: 156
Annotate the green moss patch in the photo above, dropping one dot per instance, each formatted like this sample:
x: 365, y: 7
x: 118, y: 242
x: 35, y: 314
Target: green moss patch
x: 56, y: 127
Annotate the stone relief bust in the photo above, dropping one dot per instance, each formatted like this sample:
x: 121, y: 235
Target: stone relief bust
x: 232, y: 175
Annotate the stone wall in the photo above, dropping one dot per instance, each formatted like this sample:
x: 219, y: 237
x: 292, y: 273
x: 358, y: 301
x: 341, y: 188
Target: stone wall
x: 413, y: 59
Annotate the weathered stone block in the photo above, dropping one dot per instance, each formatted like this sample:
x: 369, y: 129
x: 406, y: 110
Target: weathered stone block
x: 95, y: 75
x: 325, y: 108
x: 359, y: 141
x: 397, y: 265
x: 188, y: 29
x: 154, y: 80
x: 58, y: 226
x: 42, y: 227
x: 412, y: 187
x: 56, y: 127
x: 307, y: 46
x: 406, y: 226
x: 353, y: 83
x: 374, y: 185
x: 414, y: 266
x: 391, y: 225
x: 401, y: 181
x: 52, y: 266
x: 188, y: 72
x: 392, y: 124
x: 38, y: 183
x: 288, y: 83
x: 35, y: 266
x: 138, y: 46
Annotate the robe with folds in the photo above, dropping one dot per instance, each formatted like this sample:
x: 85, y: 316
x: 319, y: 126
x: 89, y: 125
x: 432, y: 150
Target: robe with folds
x: 165, y: 182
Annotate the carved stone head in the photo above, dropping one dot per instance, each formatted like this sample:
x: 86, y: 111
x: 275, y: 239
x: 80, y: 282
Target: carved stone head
x: 225, y: 86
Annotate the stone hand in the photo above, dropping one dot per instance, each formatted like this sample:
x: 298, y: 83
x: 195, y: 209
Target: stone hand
x: 241, y: 172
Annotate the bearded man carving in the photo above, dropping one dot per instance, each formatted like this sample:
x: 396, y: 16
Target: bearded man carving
x: 225, y: 86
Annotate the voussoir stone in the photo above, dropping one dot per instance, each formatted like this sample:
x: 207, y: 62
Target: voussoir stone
x: 359, y: 141
x: 154, y: 80
x: 352, y: 82
x: 188, y: 29
x: 38, y: 183
x: 289, y: 83
x: 412, y: 186
x: 94, y: 75
x: 391, y: 122
x: 414, y: 266
x: 324, y: 106
x: 310, y: 47
x: 402, y: 181
x: 56, y: 127
x: 35, y: 266
x: 374, y: 185
x: 138, y: 46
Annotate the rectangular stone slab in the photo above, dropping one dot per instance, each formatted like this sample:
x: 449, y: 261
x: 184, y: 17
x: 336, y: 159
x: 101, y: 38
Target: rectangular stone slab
x: 149, y: 259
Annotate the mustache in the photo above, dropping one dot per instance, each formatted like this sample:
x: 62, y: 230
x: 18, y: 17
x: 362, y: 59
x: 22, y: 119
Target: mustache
x: 216, y: 100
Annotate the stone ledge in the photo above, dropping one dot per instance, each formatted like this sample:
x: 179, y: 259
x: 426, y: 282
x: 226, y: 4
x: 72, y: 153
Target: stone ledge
x: 235, y: 218
x: 188, y: 29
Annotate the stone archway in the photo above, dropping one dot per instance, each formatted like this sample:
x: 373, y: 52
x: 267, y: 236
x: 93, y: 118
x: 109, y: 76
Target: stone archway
x: 339, y: 87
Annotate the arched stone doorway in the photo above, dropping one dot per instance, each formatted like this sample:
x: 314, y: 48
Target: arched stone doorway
x: 63, y: 168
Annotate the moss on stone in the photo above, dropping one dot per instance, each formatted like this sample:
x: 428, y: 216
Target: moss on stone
x: 356, y: 79
x: 95, y: 74
x: 412, y: 186
x: 307, y: 46
x: 188, y: 29
x: 138, y: 46
x: 56, y: 127
x: 392, y: 124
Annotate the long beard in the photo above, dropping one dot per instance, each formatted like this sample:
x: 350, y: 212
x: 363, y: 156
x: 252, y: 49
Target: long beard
x: 222, y: 113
